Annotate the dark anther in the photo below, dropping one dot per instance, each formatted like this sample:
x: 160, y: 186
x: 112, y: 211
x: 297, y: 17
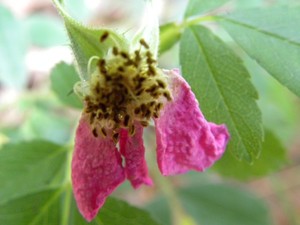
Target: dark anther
x: 137, y: 87
x: 141, y: 91
x: 150, y: 61
x: 135, y: 64
x: 137, y: 110
x: 104, y: 36
x: 107, y: 77
x: 100, y: 116
x: 155, y: 94
x: 124, y: 55
x: 126, y: 120
x: 167, y: 96
x: 151, y: 70
x: 141, y: 79
x: 94, y: 131
x: 137, y: 53
x: 116, y: 118
x: 102, y: 62
x: 118, y: 77
x: 137, y: 56
x: 102, y: 66
x: 153, y: 88
x: 104, y: 72
x: 158, y: 106
x: 143, y: 108
x: 148, y: 113
x: 115, y: 137
x: 121, y: 69
x: 89, y: 109
x: 144, y: 123
x: 103, y: 131
x: 106, y: 115
x: 129, y: 62
x: 92, y: 117
x: 102, y: 107
x: 132, y: 130
x: 149, y: 55
x: 87, y: 98
x: 115, y: 50
x: 152, y: 103
x: 161, y: 83
x: 143, y: 42
x: 97, y: 88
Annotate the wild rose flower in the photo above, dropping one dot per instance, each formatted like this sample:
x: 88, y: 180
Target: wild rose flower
x: 125, y: 91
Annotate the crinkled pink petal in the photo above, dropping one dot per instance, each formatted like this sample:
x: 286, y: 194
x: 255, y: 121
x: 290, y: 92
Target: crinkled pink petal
x: 185, y: 140
x: 132, y: 148
x: 96, y: 170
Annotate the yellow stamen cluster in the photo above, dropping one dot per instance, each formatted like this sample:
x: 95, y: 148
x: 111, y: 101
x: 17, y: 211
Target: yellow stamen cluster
x: 127, y: 88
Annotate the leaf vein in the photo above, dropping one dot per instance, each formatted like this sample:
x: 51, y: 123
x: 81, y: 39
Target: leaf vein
x: 216, y: 84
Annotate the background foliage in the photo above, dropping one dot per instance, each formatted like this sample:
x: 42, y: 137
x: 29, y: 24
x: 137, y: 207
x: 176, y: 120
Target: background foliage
x: 242, y: 60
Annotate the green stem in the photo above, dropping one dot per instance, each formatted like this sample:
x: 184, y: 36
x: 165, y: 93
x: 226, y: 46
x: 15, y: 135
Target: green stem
x: 68, y: 190
x: 67, y: 205
x: 197, y: 20
x: 168, y: 191
x: 68, y: 165
x: 179, y: 216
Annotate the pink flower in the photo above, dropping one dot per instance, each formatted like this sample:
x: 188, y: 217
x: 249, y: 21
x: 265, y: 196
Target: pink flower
x: 124, y: 93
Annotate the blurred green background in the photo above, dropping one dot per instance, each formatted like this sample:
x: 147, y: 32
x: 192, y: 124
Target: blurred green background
x: 36, y: 103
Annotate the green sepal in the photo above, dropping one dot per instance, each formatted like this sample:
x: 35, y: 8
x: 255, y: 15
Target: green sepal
x: 86, y: 41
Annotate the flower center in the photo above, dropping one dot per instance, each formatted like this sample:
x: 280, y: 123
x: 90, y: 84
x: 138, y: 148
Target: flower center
x: 126, y: 88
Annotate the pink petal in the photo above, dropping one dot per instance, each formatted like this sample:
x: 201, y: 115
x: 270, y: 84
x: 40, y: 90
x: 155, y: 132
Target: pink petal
x: 96, y: 170
x: 132, y: 148
x: 185, y: 140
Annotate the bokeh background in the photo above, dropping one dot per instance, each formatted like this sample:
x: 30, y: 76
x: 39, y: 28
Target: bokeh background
x: 33, y: 40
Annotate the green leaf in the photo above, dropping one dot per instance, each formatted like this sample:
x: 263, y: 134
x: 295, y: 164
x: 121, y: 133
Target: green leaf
x: 113, y: 212
x: 35, y: 189
x: 169, y: 35
x: 216, y: 204
x: 196, y: 7
x: 273, y: 157
x: 160, y: 210
x: 250, y: 4
x: 33, y: 209
x: 222, y: 87
x: 12, y: 50
x: 56, y: 206
x: 280, y: 113
x: 85, y: 41
x: 63, y: 79
x: 271, y: 37
x: 119, y: 212
x: 45, y: 30
x: 27, y: 167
